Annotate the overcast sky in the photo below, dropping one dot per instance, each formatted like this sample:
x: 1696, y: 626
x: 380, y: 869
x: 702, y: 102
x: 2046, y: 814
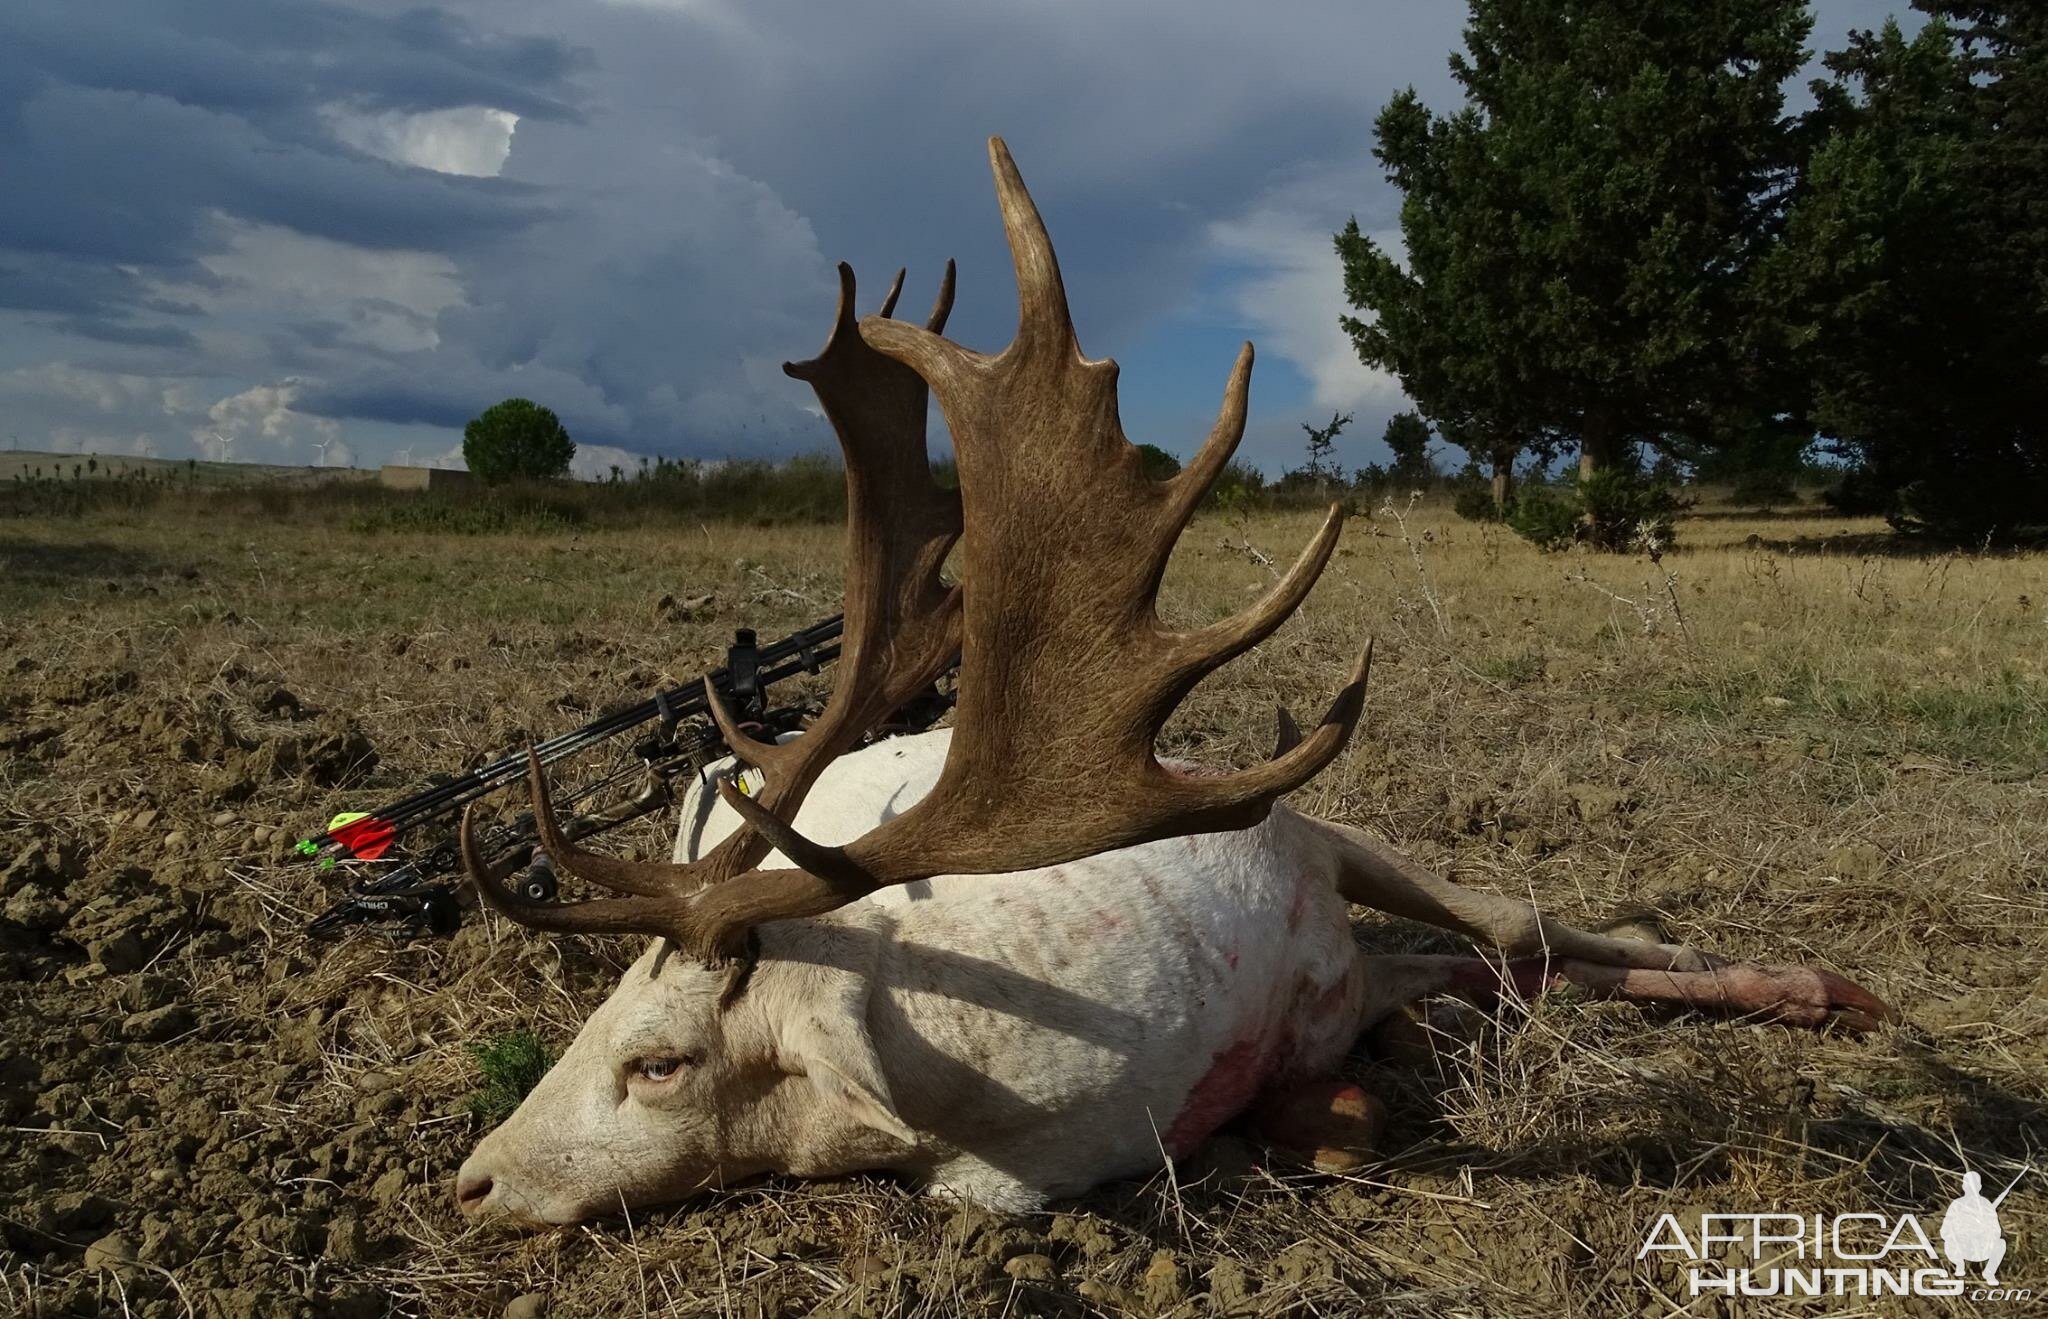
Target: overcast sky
x: 341, y: 229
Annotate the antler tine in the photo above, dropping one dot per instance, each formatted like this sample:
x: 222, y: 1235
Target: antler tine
x: 942, y: 306
x: 843, y: 322
x: 1245, y: 796
x: 599, y: 916
x: 1041, y: 295
x: 645, y: 879
x: 1192, y: 482
x: 1286, y: 733
x: 895, y: 288
x: 1201, y: 652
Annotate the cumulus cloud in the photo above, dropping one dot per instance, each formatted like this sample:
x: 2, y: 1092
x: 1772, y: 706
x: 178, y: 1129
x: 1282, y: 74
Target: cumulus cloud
x: 1287, y: 284
x: 470, y: 139
x: 96, y: 391
x: 264, y: 416
x: 327, y: 292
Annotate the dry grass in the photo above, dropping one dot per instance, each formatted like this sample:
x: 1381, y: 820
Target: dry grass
x: 1782, y: 740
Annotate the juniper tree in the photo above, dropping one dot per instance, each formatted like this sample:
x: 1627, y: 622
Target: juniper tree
x: 1581, y: 235
x: 1914, y: 270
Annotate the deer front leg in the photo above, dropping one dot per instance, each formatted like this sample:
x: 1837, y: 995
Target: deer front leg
x: 1787, y: 995
x: 1372, y: 874
x: 1548, y: 953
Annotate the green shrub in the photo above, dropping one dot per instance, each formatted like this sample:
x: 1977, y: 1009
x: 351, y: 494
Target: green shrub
x: 1620, y: 506
x: 27, y: 496
x: 2004, y: 497
x: 1764, y: 489
x: 1156, y: 463
x: 1472, y: 495
x: 1237, y: 489
x: 1860, y: 493
x: 1475, y: 504
x: 1515, y: 670
x: 1545, y: 517
x: 493, y: 514
x: 512, y: 1065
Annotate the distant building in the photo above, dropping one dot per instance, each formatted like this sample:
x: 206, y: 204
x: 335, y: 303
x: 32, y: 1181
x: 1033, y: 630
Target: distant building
x: 424, y: 478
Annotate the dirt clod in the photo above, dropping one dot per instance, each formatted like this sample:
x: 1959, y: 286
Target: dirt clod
x: 346, y: 1241
x: 38, y: 909
x: 1031, y: 1268
x: 76, y: 1211
x: 1856, y: 861
x: 1084, y: 1232
x: 1165, y: 1283
x: 281, y: 702
x: 112, y: 1253
x: 865, y: 1269
x: 158, y: 1024
x: 1229, y: 1288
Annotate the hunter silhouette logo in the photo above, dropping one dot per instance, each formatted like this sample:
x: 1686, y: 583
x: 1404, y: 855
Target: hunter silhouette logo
x: 1969, y: 1230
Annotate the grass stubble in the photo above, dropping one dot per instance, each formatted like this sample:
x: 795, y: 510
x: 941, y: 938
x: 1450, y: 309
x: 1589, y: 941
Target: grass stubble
x: 1776, y: 740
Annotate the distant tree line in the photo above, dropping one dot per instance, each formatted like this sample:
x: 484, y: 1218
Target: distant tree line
x: 1622, y: 246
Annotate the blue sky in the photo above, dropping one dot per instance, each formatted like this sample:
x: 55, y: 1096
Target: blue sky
x: 336, y: 230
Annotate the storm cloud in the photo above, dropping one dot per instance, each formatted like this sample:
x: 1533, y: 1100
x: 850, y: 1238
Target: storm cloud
x: 240, y: 226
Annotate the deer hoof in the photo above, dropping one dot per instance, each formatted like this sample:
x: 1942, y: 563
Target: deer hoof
x: 1331, y: 1126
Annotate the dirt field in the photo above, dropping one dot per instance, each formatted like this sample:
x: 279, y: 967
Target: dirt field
x: 1783, y: 742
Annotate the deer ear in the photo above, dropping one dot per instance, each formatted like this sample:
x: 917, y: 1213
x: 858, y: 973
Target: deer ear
x: 835, y: 1051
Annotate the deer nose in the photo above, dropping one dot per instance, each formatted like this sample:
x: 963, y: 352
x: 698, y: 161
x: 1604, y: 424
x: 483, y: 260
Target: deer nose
x: 472, y: 1191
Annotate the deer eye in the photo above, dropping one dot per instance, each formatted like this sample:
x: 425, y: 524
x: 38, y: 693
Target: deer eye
x: 665, y: 1067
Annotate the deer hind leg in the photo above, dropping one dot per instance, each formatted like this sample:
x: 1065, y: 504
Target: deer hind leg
x: 1543, y: 953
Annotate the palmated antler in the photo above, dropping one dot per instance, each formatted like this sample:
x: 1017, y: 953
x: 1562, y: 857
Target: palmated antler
x: 1066, y: 673
x: 901, y: 631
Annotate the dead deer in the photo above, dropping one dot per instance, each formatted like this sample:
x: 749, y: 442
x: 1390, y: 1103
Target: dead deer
x: 1018, y: 957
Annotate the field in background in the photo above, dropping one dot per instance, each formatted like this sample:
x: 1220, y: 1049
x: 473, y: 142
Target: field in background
x: 26, y: 464
x: 1783, y: 741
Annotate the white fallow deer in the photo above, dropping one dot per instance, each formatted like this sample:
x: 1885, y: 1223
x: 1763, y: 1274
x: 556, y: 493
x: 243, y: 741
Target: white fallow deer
x: 1018, y: 957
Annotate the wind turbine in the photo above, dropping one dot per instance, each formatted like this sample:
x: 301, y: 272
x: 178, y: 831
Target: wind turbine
x: 227, y: 447
x: 405, y: 457
x: 321, y: 445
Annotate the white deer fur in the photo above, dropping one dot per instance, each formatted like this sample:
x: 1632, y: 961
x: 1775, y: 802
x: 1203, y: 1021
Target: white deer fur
x: 1000, y: 1039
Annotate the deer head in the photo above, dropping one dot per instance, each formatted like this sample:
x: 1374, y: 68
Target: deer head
x: 725, y: 1060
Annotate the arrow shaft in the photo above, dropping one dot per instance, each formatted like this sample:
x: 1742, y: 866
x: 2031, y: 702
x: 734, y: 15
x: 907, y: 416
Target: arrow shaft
x: 800, y: 652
